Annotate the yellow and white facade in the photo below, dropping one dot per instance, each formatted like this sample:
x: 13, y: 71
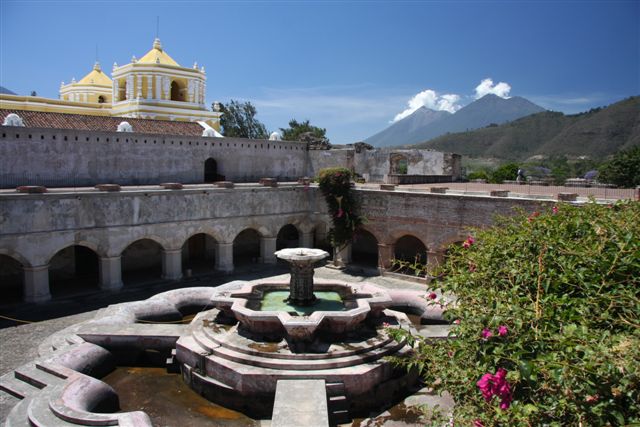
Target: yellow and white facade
x: 152, y: 87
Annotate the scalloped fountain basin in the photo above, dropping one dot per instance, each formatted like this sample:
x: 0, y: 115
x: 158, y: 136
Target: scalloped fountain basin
x: 359, y: 301
x: 277, y: 301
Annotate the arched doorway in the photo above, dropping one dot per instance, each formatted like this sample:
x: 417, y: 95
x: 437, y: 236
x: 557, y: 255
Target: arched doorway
x: 288, y: 237
x: 246, y: 248
x: 364, y: 249
x: 210, y: 170
x: 398, y: 164
x: 11, y: 280
x: 72, y: 270
x: 101, y: 99
x: 176, y: 91
x: 141, y: 262
x: 198, y: 254
x: 410, y: 249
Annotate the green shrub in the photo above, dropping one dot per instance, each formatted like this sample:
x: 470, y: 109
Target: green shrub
x: 546, y: 320
x: 335, y: 184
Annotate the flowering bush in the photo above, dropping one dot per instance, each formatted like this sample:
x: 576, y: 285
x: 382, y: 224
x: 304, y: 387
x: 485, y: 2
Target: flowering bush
x: 335, y: 184
x: 546, y: 325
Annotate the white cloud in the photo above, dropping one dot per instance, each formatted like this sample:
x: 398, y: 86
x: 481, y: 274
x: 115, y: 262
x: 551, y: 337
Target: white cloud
x: 431, y: 99
x: 486, y: 86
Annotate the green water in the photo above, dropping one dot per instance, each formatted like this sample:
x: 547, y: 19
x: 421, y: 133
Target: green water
x: 326, y: 301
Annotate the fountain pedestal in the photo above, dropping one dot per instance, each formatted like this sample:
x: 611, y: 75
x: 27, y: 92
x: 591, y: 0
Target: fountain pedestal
x: 302, y: 261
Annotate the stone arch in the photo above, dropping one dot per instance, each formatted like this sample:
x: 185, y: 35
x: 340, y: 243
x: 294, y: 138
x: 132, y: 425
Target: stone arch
x: 364, y: 248
x: 246, y: 247
x: 199, y: 253
x: 17, y: 256
x: 11, y: 277
x: 211, y: 170
x: 288, y: 237
x: 177, y: 91
x: 95, y: 247
x: 398, y: 164
x: 409, y: 248
x: 141, y: 261
x: 73, y: 269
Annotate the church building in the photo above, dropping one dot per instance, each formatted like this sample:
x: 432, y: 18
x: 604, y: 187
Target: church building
x: 152, y: 87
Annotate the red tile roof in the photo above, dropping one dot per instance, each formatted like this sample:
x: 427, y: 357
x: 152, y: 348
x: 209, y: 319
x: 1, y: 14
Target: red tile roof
x: 39, y: 119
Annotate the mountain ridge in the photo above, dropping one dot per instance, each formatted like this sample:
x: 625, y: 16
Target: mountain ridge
x: 597, y: 133
x: 421, y: 126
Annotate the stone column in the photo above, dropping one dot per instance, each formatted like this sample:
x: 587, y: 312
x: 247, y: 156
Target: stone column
x: 267, y: 248
x: 149, y: 80
x: 224, y: 257
x: 172, y: 264
x: 434, y: 259
x: 36, y: 284
x: 386, y: 252
x: 158, y: 87
x: 342, y: 257
x: 306, y: 240
x: 110, y: 273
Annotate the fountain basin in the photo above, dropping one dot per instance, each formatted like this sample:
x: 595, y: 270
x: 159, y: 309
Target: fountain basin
x: 360, y: 302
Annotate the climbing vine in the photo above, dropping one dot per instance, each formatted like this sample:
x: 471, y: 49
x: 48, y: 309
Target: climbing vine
x: 335, y: 184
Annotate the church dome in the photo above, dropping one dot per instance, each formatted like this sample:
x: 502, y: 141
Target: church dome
x: 157, y: 56
x: 96, y: 77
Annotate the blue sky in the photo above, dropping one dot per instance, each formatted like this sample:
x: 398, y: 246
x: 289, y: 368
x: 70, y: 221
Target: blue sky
x: 351, y: 67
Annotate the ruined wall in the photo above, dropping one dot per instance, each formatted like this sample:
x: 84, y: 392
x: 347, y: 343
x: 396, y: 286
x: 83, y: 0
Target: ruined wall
x: 56, y: 157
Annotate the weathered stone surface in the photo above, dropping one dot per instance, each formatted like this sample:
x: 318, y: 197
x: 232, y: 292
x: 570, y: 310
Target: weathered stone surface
x: 567, y: 197
x: 499, y: 193
x: 108, y: 187
x: 172, y: 186
x: 438, y: 190
x: 300, y: 403
x: 31, y: 189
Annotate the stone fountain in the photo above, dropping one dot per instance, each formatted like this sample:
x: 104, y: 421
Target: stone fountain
x: 302, y: 261
x: 234, y: 352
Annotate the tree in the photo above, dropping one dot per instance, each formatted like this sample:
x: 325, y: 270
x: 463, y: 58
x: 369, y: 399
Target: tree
x: 304, y: 131
x: 238, y: 120
x: 623, y: 170
x: 503, y: 173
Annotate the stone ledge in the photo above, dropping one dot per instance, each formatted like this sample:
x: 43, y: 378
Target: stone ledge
x: 567, y: 197
x: 388, y: 187
x: 172, y: 186
x: 223, y: 184
x: 108, y: 187
x: 31, y: 189
x: 438, y: 190
x: 499, y: 193
x: 269, y: 182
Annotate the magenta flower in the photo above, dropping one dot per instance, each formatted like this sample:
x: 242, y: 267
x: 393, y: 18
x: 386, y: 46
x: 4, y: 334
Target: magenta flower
x: 502, y: 330
x: 554, y: 210
x: 432, y: 295
x: 496, y: 385
x: 471, y: 240
x: 477, y: 423
x: 485, y: 384
x: 486, y: 334
x: 456, y: 322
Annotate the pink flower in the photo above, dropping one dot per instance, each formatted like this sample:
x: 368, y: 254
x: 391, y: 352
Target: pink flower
x: 477, y: 423
x: 485, y: 384
x: 385, y: 324
x: 472, y: 267
x: 456, y: 322
x: 592, y: 399
x: 502, y: 330
x: 496, y: 385
x: 554, y: 210
x: 467, y: 243
x: 432, y: 295
x: 486, y: 334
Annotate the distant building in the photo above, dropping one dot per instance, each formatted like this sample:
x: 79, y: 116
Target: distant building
x: 152, y: 87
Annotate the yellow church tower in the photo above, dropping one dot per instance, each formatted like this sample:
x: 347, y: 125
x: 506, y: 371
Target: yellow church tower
x: 95, y: 87
x: 157, y: 87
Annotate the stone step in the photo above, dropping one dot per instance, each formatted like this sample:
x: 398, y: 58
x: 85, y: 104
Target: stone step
x: 36, y: 377
x: 18, y: 415
x: 247, y: 378
x: 338, y: 403
x: 236, y: 342
x: 17, y: 387
x: 335, y: 388
x: 339, y: 417
x: 306, y: 364
x: 40, y: 415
